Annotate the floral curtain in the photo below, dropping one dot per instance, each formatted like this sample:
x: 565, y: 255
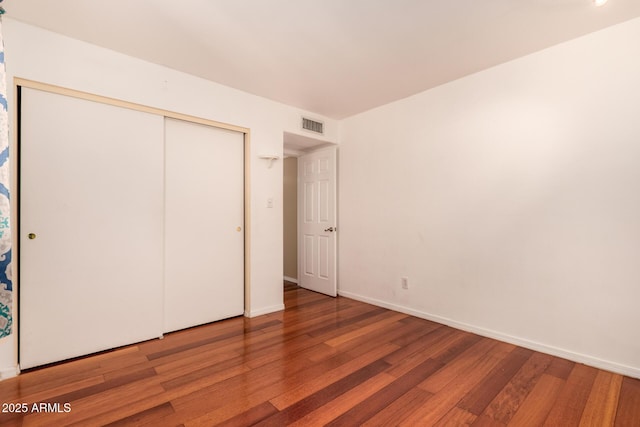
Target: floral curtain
x: 6, y: 287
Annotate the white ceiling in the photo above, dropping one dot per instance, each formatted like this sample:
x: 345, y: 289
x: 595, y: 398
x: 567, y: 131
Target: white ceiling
x: 331, y: 57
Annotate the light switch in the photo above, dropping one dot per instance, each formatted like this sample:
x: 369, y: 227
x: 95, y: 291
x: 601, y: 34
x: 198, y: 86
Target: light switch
x: 270, y: 202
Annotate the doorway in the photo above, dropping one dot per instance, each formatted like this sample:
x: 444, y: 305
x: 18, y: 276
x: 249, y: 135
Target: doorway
x: 297, y: 256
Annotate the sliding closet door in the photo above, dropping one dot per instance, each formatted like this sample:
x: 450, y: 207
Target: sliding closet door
x: 204, y: 224
x: 91, y: 203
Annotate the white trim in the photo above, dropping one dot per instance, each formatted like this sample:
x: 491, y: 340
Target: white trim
x: 11, y: 372
x: 532, y: 345
x: 291, y: 279
x: 265, y: 310
x: 46, y: 87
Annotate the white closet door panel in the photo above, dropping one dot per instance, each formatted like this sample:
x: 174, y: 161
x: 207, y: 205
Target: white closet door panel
x: 92, y: 193
x: 204, y: 224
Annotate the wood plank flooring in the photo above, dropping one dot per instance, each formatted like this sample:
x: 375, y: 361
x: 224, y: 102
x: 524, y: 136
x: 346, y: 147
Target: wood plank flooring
x: 323, y: 361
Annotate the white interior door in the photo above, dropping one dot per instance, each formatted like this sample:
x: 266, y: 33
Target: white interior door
x: 317, y: 221
x: 91, y: 201
x: 204, y: 228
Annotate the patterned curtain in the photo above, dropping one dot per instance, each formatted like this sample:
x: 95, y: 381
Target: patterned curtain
x: 6, y: 286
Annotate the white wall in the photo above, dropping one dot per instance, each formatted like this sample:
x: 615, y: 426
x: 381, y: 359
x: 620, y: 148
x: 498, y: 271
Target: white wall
x: 510, y: 199
x: 35, y: 54
x: 290, y: 218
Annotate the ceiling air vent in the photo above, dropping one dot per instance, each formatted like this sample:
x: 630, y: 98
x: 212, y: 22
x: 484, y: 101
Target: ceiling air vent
x: 312, y: 125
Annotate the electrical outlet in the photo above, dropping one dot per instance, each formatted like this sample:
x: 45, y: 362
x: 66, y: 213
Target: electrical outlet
x: 405, y: 282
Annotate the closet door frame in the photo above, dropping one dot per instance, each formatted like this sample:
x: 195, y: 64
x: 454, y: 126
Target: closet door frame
x: 15, y: 174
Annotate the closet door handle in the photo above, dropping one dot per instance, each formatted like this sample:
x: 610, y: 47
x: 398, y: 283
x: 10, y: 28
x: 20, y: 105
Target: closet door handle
x: 330, y: 229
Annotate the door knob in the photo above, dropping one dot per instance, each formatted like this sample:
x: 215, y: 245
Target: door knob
x: 31, y: 236
x: 330, y: 229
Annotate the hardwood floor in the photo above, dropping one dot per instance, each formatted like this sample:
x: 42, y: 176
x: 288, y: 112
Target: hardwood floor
x: 323, y: 361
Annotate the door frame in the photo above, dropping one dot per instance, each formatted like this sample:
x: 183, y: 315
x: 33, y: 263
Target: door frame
x: 19, y: 83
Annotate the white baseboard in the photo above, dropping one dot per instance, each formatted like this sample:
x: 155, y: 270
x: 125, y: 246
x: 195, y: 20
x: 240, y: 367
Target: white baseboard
x: 291, y: 279
x: 6, y: 373
x: 264, y: 310
x: 532, y: 345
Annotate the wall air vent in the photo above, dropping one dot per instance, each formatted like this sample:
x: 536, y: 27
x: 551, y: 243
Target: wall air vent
x: 313, y: 125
